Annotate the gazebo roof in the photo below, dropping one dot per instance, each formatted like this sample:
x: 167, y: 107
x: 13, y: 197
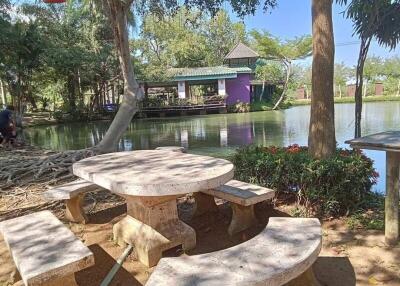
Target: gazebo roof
x: 241, y: 51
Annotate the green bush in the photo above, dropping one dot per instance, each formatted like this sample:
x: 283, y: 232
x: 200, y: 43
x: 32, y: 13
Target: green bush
x: 331, y: 187
x: 261, y: 106
x: 239, y: 107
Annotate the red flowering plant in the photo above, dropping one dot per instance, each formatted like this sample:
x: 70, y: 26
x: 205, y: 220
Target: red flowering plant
x: 336, y: 186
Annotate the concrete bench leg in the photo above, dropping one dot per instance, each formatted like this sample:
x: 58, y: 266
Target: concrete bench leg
x: 307, y: 278
x: 68, y: 280
x: 204, y: 203
x: 74, y: 210
x: 243, y: 217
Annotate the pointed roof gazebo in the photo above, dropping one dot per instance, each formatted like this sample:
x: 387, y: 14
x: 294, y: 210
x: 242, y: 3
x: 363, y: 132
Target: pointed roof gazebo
x: 241, y: 55
x: 241, y: 51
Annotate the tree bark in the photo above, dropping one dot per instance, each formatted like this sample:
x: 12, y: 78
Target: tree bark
x: 364, y: 47
x: 321, y: 138
x: 117, y: 12
x: 3, y: 94
x: 262, y: 90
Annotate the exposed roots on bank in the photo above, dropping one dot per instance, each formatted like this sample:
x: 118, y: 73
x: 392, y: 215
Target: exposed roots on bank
x: 25, y: 172
x: 23, y: 167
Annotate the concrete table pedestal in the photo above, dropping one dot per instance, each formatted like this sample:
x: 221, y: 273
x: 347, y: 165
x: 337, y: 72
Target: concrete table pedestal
x: 152, y: 226
x: 392, y: 197
x: 151, y: 181
x: 390, y: 143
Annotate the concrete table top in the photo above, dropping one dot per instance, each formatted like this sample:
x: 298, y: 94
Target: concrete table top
x: 154, y: 172
x: 385, y: 141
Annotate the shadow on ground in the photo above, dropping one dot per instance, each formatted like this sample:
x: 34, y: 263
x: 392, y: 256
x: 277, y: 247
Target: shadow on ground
x: 347, y: 258
x: 104, y: 262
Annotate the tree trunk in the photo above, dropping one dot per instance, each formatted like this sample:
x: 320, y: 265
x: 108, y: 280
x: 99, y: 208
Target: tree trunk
x: 117, y: 11
x: 285, y: 87
x: 340, y: 91
x: 3, y: 94
x: 398, y: 89
x: 321, y: 138
x: 31, y: 100
x: 71, y: 93
x: 113, y: 93
x: 365, y: 89
x: 262, y: 90
x: 364, y: 47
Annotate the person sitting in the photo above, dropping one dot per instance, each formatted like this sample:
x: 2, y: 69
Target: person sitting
x: 7, y: 126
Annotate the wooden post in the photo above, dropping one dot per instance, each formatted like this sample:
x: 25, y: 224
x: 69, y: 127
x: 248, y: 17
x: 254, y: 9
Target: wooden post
x: 392, y: 197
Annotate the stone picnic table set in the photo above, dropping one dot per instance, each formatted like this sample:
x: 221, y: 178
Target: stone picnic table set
x: 151, y: 181
x: 388, y: 142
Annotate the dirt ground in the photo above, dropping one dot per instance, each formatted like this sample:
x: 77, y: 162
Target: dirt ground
x: 347, y: 258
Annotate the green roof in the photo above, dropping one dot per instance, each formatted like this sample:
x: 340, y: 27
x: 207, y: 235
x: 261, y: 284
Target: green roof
x: 243, y: 69
x: 206, y: 73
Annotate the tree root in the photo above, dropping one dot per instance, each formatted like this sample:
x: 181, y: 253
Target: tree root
x: 26, y: 172
x: 20, y: 171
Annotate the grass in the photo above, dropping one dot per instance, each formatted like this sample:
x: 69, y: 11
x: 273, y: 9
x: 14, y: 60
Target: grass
x: 267, y: 105
x: 372, y: 217
x: 297, y: 102
x: 261, y: 106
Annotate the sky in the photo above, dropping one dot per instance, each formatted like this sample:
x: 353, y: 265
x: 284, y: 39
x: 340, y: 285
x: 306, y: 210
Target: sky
x: 293, y: 18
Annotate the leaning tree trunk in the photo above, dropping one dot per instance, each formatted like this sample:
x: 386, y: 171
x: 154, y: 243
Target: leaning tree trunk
x: 321, y: 138
x: 364, y: 47
x: 288, y: 65
x: 117, y: 11
x: 262, y: 90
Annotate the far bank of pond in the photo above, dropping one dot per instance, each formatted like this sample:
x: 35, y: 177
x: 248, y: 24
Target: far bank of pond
x: 221, y: 134
x: 346, y: 99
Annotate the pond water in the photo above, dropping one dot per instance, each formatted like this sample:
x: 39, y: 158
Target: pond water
x: 221, y: 134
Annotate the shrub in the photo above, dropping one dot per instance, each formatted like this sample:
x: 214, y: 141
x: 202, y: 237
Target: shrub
x: 331, y: 187
x: 239, y: 107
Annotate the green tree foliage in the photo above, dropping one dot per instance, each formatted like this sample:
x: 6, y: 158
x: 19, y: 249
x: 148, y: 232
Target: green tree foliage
x: 220, y: 36
x: 57, y: 54
x: 285, y: 52
x: 21, y: 59
x: 391, y: 73
x: 342, y: 75
x: 187, y: 38
x: 379, y: 19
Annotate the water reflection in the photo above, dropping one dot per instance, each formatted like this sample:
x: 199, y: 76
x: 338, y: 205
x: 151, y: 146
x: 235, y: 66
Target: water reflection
x: 221, y: 134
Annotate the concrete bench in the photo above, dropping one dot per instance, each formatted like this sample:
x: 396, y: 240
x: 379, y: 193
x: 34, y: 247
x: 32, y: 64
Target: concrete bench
x: 242, y: 196
x: 283, y: 251
x: 45, y: 251
x: 73, y: 193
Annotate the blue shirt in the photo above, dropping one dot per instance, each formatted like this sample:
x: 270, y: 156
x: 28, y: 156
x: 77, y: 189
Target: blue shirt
x: 5, y: 118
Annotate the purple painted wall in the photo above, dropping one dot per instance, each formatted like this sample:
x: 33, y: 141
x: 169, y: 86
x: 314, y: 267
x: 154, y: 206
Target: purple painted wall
x: 238, y: 89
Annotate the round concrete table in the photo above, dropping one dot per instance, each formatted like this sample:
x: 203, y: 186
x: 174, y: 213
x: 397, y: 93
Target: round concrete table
x: 150, y: 181
x: 390, y: 143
